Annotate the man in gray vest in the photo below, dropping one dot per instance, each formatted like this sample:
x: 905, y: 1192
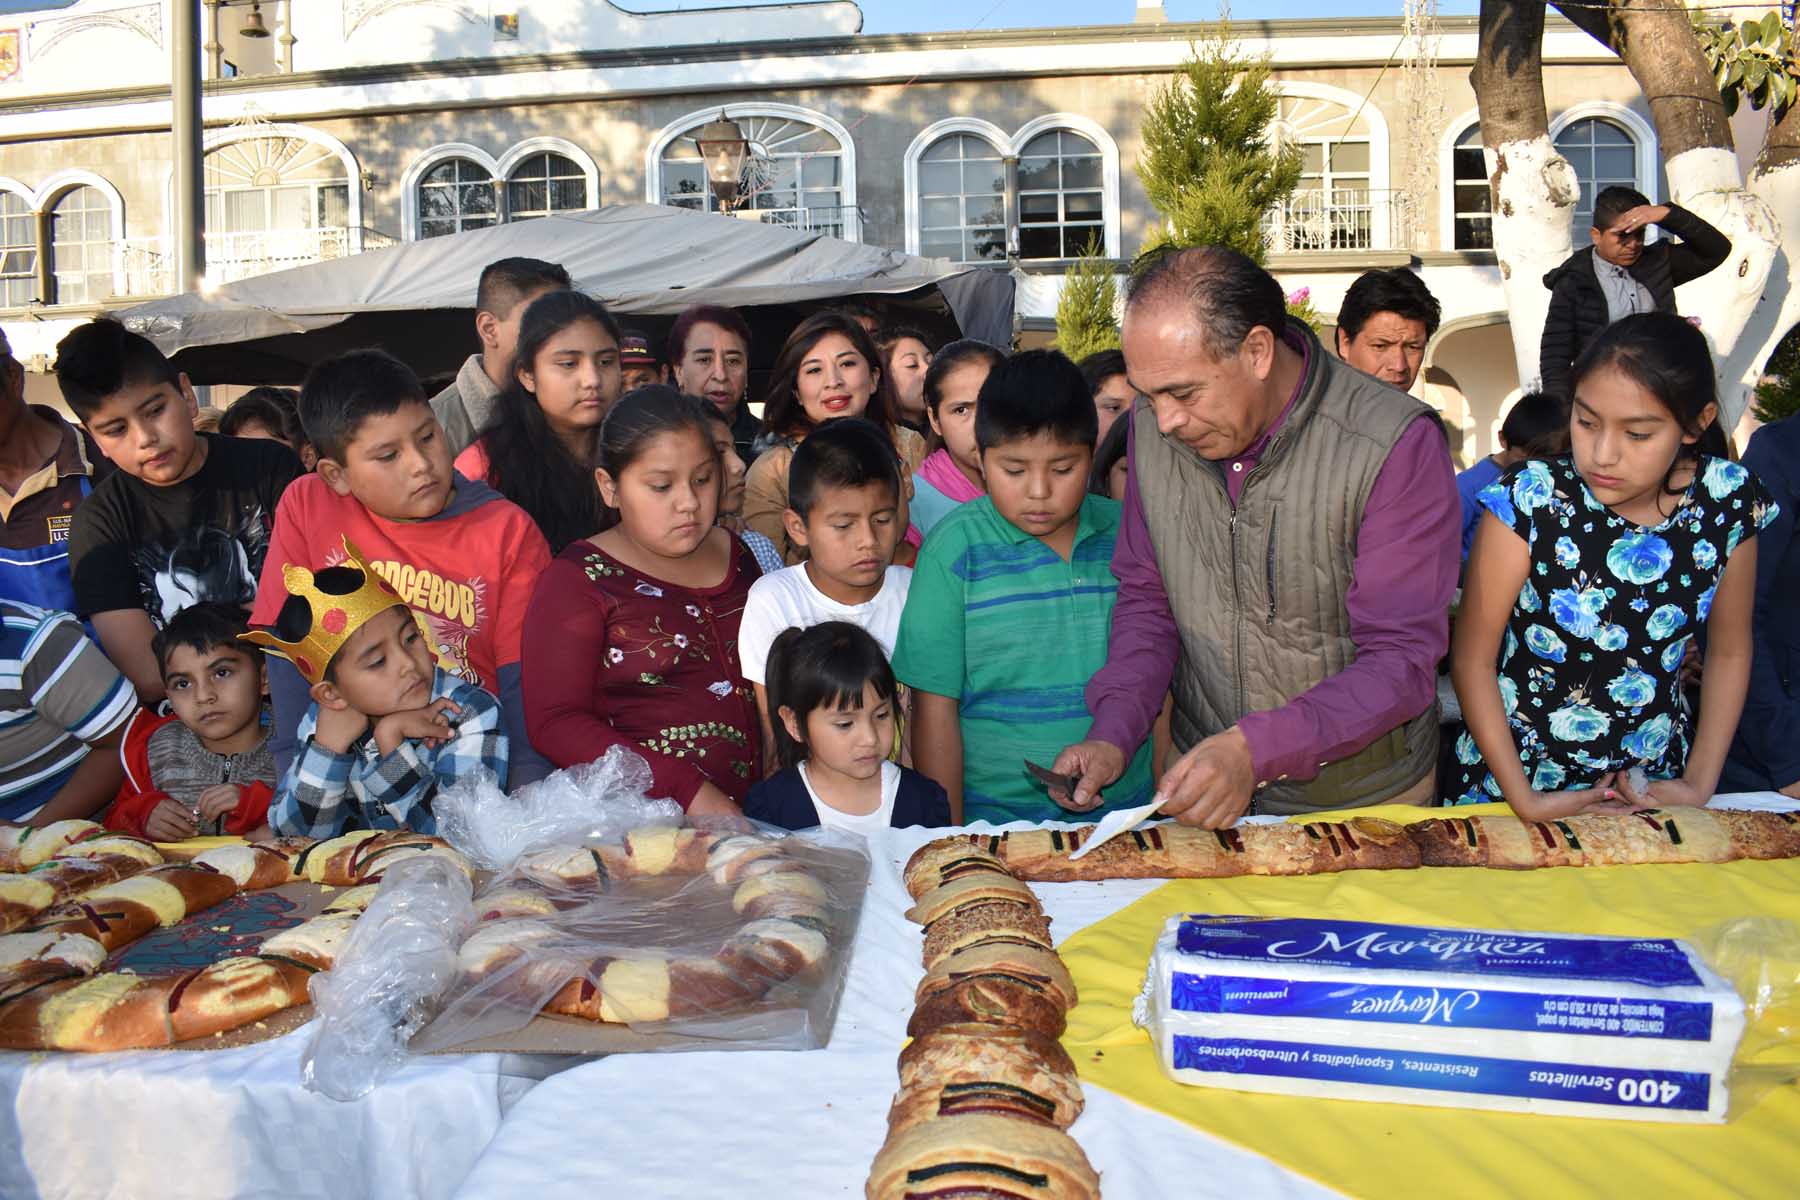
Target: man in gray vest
x: 1286, y: 558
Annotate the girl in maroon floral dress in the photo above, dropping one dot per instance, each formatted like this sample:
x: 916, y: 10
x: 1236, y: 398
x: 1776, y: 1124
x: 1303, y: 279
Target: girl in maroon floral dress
x: 631, y: 638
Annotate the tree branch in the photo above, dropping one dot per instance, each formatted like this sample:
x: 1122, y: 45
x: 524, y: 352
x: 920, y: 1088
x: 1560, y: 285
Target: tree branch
x: 1508, y: 75
x: 1595, y: 23
x: 1781, y: 148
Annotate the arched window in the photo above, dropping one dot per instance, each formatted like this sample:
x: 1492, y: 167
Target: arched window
x: 543, y: 184
x: 1336, y: 205
x: 962, y: 200
x: 263, y: 184
x: 81, y: 246
x: 797, y: 172
x: 18, y: 251
x: 1604, y: 155
x: 455, y: 195
x: 1062, y: 196
x: 1472, y: 218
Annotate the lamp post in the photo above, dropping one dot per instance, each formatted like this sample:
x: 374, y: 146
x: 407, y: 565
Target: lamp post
x: 189, y: 147
x: 723, y: 148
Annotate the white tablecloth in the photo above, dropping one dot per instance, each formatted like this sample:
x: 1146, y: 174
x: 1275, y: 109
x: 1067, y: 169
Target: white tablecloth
x: 749, y: 1125
x: 192, y: 1125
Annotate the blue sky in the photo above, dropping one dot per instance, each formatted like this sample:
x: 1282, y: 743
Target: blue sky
x: 925, y: 16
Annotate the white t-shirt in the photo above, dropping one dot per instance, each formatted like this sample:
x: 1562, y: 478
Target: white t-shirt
x: 866, y: 825
x: 788, y: 600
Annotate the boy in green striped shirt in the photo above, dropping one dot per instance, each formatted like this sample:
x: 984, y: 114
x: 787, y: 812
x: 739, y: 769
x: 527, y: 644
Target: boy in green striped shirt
x: 1011, y: 604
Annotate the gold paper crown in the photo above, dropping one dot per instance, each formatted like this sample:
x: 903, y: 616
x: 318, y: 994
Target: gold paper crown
x: 334, y: 617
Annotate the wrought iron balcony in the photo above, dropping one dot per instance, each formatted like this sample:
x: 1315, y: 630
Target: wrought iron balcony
x: 148, y: 264
x: 1336, y: 219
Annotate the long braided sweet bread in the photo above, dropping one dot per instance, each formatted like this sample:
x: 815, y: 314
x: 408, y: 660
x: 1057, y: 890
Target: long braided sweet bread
x: 1171, y: 851
x: 120, y: 913
x: 81, y: 868
x: 50, y: 1000
x: 986, y: 1092
x: 23, y: 847
x: 518, y: 941
x: 361, y: 856
x: 1687, y: 835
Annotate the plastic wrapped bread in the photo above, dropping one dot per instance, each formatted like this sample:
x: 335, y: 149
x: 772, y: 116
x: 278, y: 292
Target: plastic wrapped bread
x: 1632, y: 1028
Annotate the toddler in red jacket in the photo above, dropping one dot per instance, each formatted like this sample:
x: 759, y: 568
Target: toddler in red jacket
x: 206, y: 768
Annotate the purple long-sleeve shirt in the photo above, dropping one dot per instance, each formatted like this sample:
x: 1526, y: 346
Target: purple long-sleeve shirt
x: 1407, y: 559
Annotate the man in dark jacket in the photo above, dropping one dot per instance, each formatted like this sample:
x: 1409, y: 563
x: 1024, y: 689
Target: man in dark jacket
x: 1618, y: 275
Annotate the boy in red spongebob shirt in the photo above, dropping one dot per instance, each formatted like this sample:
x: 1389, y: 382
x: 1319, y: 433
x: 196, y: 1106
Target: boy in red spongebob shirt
x: 454, y: 549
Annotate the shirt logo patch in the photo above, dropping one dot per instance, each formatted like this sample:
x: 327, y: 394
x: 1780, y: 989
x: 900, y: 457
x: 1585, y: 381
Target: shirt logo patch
x: 58, y: 527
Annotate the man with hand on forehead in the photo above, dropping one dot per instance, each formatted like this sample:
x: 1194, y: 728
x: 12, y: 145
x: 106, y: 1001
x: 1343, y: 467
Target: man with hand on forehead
x: 1291, y: 532
x: 1619, y: 275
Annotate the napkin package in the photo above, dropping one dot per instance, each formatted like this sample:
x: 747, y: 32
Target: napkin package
x: 1632, y: 1028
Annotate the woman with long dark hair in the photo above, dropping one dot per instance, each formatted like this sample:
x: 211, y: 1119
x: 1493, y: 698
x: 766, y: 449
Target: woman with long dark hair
x: 538, y: 451
x: 828, y: 368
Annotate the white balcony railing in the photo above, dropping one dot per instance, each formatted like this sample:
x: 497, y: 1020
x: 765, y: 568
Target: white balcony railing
x: 148, y: 264
x: 1339, y: 218
x: 837, y: 220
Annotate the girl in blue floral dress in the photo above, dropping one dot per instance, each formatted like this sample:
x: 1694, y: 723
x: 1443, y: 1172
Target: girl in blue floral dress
x: 1587, y: 579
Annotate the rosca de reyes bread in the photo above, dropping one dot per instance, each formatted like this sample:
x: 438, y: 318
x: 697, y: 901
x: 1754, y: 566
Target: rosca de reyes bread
x: 1685, y: 835
x: 120, y: 913
x: 118, y: 1011
x: 23, y: 847
x: 981, y: 1155
x: 960, y: 1069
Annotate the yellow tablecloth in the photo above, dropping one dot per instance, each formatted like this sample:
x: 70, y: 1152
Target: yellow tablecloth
x: 1385, y: 1150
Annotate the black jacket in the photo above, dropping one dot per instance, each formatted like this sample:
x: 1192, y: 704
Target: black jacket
x: 1765, y: 756
x: 1578, y: 306
x: 782, y: 800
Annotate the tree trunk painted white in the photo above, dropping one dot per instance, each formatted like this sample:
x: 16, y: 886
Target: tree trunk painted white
x: 1708, y: 182
x: 1778, y: 309
x: 1534, y: 202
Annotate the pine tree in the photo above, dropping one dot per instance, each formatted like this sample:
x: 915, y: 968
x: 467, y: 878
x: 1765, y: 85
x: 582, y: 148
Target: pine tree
x: 1207, y: 165
x: 1084, y: 309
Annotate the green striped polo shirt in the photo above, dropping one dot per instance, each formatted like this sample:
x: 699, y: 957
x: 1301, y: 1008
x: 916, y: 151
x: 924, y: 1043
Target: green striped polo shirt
x: 1001, y: 623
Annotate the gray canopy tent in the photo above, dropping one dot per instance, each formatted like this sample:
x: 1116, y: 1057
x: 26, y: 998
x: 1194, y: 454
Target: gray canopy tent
x: 646, y: 262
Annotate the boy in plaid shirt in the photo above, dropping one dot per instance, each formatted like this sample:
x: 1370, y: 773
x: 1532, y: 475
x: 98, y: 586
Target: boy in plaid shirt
x: 386, y: 727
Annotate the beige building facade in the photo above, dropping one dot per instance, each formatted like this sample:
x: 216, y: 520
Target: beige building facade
x: 367, y: 122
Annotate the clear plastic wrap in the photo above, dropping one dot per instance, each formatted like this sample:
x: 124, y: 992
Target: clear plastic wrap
x: 1760, y: 958
x: 398, y: 961
x: 590, y: 802
x: 663, y: 940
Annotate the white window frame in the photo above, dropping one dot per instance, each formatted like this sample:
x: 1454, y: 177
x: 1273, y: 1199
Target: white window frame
x: 115, y: 231
x: 509, y: 162
x: 915, y: 154
x: 24, y: 194
x: 1380, y: 181
x: 353, y: 176
x: 411, y: 218
x: 43, y: 199
x: 683, y: 126
x: 1459, y: 125
x: 1010, y: 146
x: 1635, y: 126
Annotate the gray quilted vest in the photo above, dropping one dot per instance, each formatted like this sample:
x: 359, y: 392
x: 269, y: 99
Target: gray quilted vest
x: 1258, y: 592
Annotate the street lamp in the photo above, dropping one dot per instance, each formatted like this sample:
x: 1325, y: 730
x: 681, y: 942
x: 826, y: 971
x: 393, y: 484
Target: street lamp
x: 723, y: 148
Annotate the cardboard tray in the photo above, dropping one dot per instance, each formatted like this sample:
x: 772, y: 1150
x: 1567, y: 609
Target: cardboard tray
x: 796, y: 1015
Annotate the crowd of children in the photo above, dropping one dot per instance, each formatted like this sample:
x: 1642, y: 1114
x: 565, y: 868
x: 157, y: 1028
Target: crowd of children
x: 821, y: 618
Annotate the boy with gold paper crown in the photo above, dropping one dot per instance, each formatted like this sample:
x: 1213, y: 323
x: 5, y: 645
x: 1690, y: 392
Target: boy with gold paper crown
x: 386, y: 727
